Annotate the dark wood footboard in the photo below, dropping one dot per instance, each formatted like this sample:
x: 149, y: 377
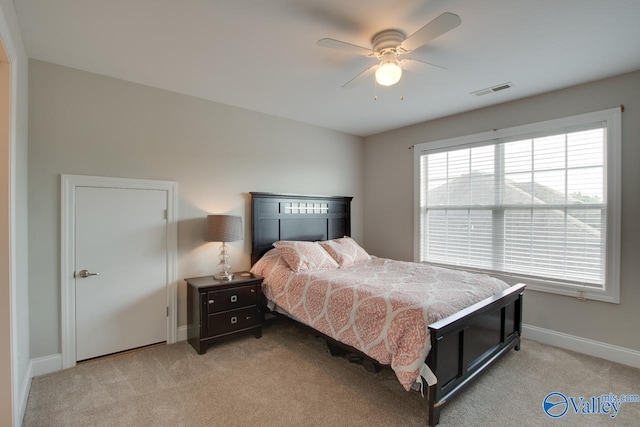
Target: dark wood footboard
x: 468, y: 342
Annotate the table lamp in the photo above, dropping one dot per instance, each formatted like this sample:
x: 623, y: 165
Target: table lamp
x: 223, y: 228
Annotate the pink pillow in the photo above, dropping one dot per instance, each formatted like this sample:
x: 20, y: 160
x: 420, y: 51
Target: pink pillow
x: 305, y: 256
x: 270, y: 261
x: 345, y: 251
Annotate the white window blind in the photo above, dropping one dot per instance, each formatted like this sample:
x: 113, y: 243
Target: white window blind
x: 533, y: 205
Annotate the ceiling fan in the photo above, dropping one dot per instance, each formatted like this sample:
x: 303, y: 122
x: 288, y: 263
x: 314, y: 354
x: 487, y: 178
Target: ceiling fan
x: 388, y: 45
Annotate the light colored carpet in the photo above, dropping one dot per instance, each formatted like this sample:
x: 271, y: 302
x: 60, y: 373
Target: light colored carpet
x: 288, y: 378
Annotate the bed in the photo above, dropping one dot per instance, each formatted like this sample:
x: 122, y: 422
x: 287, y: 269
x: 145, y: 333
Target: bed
x: 458, y: 347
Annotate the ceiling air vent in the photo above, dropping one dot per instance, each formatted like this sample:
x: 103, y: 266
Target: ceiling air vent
x: 493, y: 89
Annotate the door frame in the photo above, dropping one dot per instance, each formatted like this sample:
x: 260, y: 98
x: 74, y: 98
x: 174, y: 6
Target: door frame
x: 19, y: 385
x: 68, y: 186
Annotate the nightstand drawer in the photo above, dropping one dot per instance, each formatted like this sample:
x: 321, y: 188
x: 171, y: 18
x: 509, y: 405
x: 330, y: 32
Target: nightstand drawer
x: 232, y: 320
x: 231, y: 298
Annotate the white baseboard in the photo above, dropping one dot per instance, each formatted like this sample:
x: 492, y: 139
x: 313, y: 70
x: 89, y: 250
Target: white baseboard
x: 25, y: 387
x: 46, y: 364
x: 599, y: 349
x: 182, y: 333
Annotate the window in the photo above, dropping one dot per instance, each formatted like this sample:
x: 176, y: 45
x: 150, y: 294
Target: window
x: 539, y: 203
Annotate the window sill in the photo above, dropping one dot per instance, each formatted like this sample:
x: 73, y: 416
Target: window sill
x: 581, y: 292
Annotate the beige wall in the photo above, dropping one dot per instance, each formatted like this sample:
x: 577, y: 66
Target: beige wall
x: 86, y: 124
x: 389, y: 199
x: 13, y: 174
x: 5, y: 259
x: 82, y: 123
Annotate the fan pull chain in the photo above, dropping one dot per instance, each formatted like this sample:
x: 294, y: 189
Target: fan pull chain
x: 375, y: 89
x: 401, y: 89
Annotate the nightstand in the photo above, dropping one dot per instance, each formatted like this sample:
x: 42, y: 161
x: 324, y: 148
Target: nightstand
x: 217, y: 309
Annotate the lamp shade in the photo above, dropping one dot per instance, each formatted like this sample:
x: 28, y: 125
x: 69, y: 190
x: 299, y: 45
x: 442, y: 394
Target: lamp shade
x: 223, y: 228
x: 388, y: 73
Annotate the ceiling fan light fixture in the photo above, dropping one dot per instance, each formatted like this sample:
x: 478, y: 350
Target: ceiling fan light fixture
x: 388, y: 73
x: 389, y: 44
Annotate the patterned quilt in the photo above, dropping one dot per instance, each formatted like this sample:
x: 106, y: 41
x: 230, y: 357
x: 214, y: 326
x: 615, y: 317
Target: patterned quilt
x: 380, y: 307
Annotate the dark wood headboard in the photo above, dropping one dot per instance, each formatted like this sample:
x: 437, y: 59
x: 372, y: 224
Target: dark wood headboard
x: 296, y: 217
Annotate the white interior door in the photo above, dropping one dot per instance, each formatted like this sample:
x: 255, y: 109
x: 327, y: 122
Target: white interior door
x: 121, y: 234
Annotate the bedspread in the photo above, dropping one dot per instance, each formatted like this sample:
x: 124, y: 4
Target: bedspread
x: 380, y: 307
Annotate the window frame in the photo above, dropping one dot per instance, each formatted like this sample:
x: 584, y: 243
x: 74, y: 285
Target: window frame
x: 610, y: 292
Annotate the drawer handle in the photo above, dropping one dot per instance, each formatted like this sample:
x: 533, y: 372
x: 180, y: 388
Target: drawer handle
x: 234, y: 298
x: 253, y: 290
x: 234, y: 320
x: 248, y: 317
x: 211, y: 301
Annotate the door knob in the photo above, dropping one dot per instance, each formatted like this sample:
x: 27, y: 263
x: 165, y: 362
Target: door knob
x: 85, y: 273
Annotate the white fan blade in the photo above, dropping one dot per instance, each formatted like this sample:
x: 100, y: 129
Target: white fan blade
x: 345, y: 47
x: 443, y: 23
x: 408, y: 62
x: 360, y: 77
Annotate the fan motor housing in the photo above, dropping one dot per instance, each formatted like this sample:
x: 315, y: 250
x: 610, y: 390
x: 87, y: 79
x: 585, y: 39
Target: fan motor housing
x: 387, y: 39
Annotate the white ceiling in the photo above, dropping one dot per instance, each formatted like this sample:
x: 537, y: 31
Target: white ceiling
x: 262, y: 54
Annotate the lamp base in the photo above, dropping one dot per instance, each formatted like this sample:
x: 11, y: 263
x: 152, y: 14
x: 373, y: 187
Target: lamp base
x: 224, y: 276
x: 223, y: 265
